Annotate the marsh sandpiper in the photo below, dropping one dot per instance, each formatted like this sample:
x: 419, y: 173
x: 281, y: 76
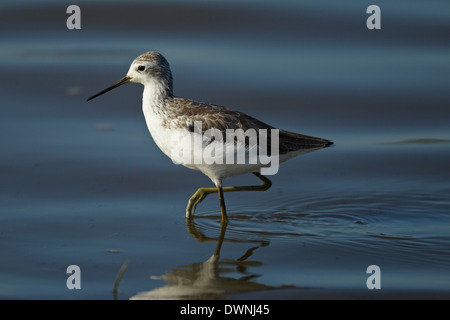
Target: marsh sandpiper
x: 181, y: 126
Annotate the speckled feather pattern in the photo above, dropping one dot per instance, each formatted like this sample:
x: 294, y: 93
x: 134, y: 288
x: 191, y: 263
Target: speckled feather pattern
x: 182, y: 113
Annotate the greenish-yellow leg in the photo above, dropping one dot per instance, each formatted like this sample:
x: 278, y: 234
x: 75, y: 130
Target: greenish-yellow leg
x: 201, y: 193
x: 223, y: 210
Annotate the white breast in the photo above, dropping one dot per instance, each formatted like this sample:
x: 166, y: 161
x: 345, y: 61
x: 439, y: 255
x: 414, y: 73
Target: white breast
x: 190, y: 149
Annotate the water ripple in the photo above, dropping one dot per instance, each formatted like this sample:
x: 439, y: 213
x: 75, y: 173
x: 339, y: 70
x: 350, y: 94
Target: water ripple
x: 400, y: 224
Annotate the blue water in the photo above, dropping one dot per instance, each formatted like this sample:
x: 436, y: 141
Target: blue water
x: 84, y: 184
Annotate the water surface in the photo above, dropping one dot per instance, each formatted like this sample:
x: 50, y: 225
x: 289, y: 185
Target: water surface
x: 84, y: 184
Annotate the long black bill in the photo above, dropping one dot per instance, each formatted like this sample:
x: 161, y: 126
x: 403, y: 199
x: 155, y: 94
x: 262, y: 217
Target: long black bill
x: 122, y: 81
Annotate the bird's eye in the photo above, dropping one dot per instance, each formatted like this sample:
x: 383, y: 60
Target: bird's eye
x: 141, y: 68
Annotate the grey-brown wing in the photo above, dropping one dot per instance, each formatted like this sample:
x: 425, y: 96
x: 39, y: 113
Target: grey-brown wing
x: 213, y: 116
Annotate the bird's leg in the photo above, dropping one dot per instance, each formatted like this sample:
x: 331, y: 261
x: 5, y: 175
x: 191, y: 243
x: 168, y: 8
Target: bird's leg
x: 223, y: 210
x: 196, y: 198
x: 267, y: 184
x: 201, y: 193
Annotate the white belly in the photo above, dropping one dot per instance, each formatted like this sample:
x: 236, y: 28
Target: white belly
x: 196, y: 152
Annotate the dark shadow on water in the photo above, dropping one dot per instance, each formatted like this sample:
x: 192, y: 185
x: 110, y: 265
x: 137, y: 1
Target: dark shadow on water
x: 418, y: 141
x: 212, y: 278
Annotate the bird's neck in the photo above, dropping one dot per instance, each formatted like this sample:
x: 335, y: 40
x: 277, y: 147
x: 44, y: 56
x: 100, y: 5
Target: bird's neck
x: 155, y: 95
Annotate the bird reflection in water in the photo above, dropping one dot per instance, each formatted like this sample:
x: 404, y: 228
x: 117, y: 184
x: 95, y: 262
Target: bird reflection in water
x: 208, y: 280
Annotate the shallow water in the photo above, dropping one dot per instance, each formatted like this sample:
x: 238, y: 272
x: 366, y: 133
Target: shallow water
x: 84, y: 184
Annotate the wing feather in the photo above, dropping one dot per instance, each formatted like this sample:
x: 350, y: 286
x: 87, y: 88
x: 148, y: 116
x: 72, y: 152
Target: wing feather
x: 221, y: 118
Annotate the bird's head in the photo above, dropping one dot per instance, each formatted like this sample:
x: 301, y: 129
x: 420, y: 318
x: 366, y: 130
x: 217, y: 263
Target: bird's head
x: 150, y: 68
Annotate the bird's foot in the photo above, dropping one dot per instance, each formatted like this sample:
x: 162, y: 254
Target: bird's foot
x: 196, y: 198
